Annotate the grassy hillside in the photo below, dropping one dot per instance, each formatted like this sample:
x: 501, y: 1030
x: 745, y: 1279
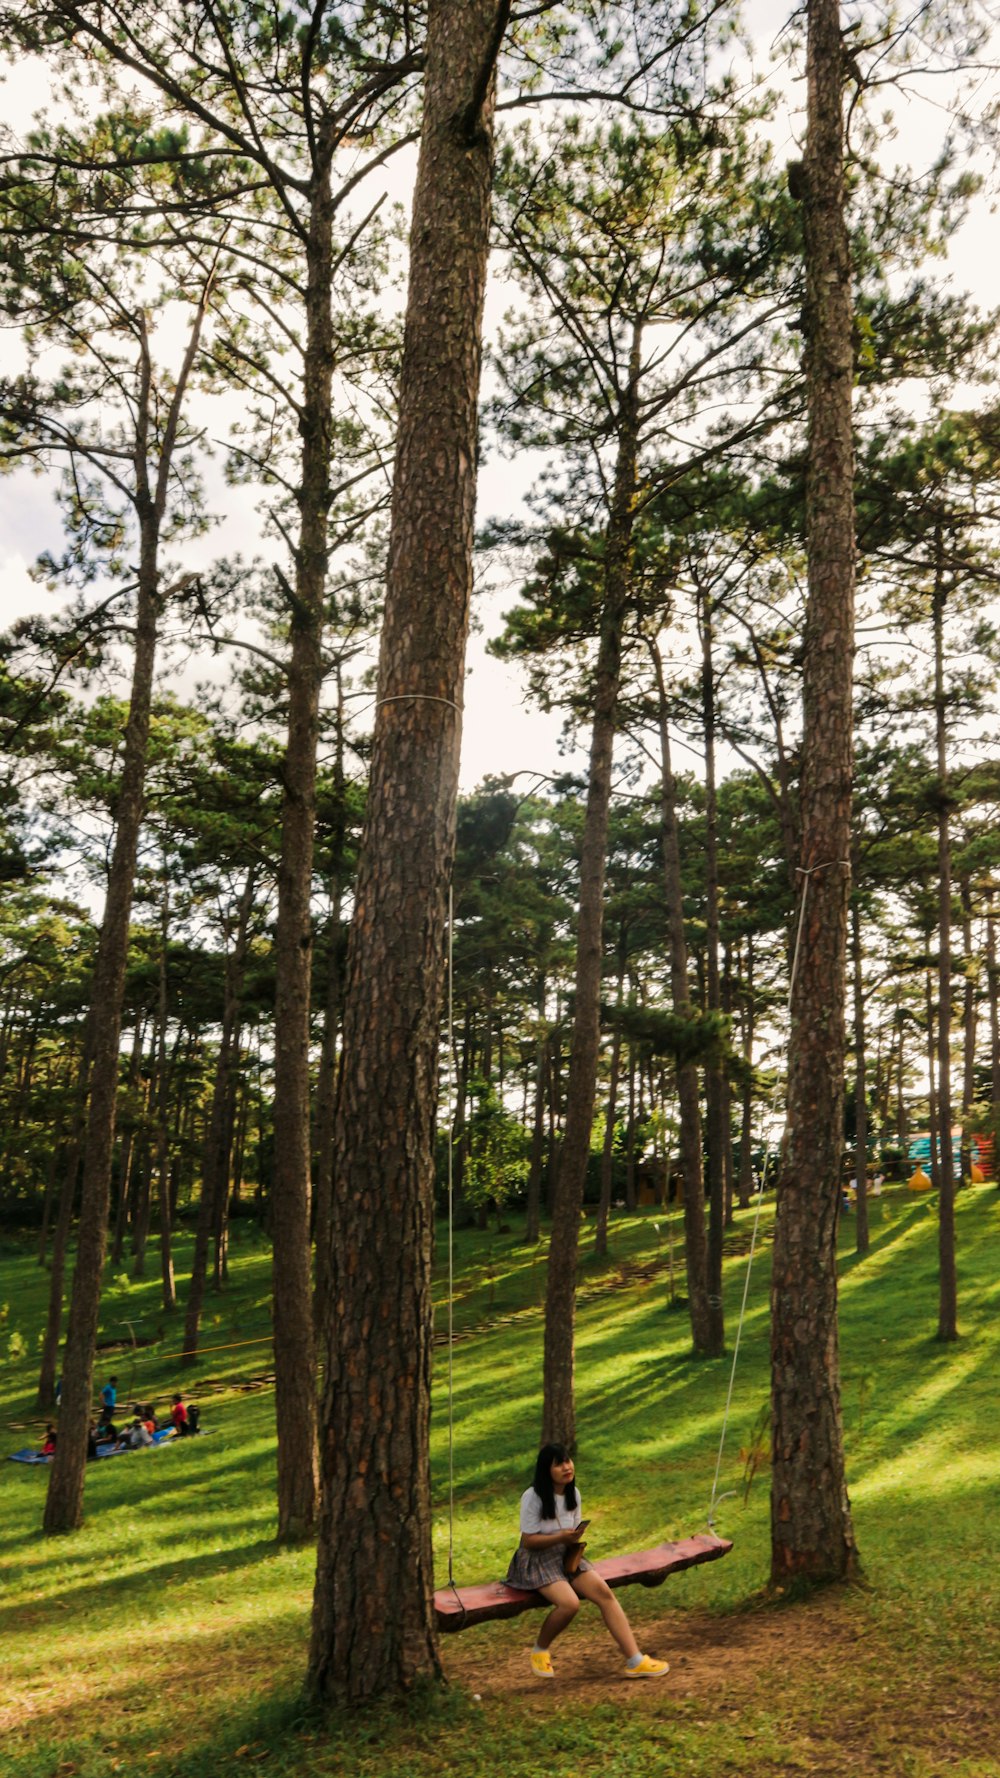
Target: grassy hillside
x: 169, y: 1635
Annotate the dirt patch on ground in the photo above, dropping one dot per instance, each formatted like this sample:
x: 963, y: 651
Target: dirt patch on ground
x: 735, y: 1655
x: 863, y: 1708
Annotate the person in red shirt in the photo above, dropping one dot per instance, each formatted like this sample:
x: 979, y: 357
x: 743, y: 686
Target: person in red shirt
x: 179, y: 1417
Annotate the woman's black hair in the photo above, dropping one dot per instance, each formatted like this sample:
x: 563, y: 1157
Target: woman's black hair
x: 543, y: 1484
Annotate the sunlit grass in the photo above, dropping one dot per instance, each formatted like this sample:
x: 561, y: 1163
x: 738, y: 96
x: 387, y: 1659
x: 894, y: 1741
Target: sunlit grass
x: 169, y: 1634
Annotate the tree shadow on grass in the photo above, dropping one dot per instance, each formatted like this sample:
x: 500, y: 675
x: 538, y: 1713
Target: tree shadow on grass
x: 111, y: 1591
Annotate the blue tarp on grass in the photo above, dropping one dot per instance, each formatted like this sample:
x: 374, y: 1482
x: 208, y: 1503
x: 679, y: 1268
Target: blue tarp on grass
x: 30, y: 1455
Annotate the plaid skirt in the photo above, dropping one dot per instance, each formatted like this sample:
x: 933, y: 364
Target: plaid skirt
x: 539, y: 1568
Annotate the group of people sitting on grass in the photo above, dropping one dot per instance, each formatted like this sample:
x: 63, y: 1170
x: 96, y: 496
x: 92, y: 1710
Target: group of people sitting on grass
x: 144, y: 1424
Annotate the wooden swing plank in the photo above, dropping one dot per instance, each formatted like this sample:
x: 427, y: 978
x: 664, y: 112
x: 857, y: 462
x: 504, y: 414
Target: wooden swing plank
x: 461, y: 1608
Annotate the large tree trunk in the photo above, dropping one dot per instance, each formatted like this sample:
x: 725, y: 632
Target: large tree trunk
x: 811, y: 1531
x: 715, y: 1097
x: 860, y: 1086
x: 689, y: 1108
x: 373, y: 1621
x: 948, y: 1283
x: 558, y: 1405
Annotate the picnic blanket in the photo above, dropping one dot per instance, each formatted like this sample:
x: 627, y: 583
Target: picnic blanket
x: 30, y: 1455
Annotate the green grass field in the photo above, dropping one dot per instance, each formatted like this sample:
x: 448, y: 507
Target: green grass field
x: 169, y: 1635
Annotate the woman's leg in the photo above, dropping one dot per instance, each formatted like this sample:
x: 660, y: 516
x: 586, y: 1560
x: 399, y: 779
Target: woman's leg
x: 565, y: 1606
x: 591, y: 1586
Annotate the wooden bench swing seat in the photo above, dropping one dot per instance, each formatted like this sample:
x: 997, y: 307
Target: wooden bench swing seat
x: 459, y: 1608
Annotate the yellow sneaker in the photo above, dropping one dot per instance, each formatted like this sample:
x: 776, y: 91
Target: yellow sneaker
x: 647, y: 1668
x: 541, y: 1663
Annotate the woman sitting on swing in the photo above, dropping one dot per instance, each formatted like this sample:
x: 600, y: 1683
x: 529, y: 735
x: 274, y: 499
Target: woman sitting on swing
x: 551, y: 1524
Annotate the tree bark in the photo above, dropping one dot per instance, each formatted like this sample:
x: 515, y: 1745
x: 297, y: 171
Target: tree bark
x: 373, y: 1628
x: 811, y: 1532
x: 688, y: 1105
x: 558, y: 1404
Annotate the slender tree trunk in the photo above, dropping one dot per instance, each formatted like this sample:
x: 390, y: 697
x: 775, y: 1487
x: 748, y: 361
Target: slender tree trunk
x: 630, y: 1131
x: 860, y: 1086
x: 215, y: 1151
x: 607, y: 1155
x: 123, y: 1206
x: 239, y: 1142
x: 143, y: 1212
x: 948, y: 1282
x: 326, y: 1086
x: 51, y: 1172
x: 703, y: 1328
x: 933, y: 1122
x: 727, y: 1095
x: 746, y: 1113
x: 294, y: 1344
x: 993, y: 987
x: 220, y: 1206
x: 373, y: 1626
x: 811, y: 1531
x: 533, y: 1219
x: 968, y: 1028
x: 64, y: 1501
x: 48, y: 1370
x: 164, y: 1075
x: 558, y: 1405
x: 902, y: 1118
x: 714, y: 1082
x: 325, y: 1108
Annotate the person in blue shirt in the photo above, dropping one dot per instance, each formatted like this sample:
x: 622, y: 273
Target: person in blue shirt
x: 109, y: 1397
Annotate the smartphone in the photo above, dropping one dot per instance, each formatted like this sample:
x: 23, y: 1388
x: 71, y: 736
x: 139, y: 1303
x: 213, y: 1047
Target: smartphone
x: 581, y: 1528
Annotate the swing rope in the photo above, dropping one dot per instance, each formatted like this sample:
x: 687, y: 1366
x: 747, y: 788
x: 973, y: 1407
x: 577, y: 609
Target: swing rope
x: 718, y: 1498
x: 452, y: 1110
x: 451, y: 1242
